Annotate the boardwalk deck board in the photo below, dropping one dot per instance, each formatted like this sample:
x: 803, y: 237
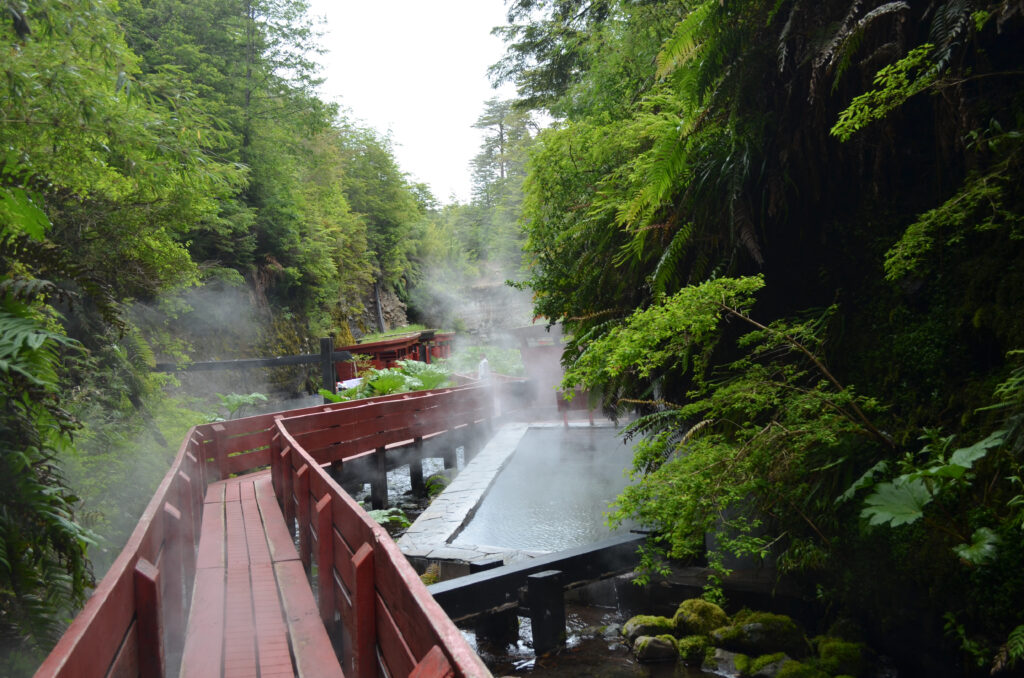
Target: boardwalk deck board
x: 253, y: 613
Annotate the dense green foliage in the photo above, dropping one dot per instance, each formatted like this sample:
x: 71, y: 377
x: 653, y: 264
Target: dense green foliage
x: 788, y: 234
x: 171, y: 187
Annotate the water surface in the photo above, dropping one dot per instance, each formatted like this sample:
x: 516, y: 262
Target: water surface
x: 554, y: 492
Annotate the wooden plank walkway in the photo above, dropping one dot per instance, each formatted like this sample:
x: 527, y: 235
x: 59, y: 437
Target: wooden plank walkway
x: 253, y: 614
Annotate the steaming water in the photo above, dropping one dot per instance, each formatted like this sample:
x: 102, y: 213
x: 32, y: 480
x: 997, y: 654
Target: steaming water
x: 554, y: 493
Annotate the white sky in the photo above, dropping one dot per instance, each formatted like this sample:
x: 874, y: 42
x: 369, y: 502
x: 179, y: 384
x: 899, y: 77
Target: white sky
x: 419, y: 70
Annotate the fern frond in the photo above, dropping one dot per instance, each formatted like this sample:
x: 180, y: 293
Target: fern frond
x: 849, y: 44
x: 667, y: 271
x: 948, y: 30
x: 683, y: 43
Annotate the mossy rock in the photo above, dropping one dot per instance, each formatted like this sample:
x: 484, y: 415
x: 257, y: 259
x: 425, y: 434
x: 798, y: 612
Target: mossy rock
x: 767, y: 665
x: 847, y: 629
x: 837, y: 656
x: 761, y: 633
x: 662, y: 648
x: 724, y: 662
x: 647, y: 625
x: 692, y: 649
x: 795, y: 669
x: 698, y: 617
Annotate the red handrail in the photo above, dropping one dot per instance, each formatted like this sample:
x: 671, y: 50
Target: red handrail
x: 364, y: 581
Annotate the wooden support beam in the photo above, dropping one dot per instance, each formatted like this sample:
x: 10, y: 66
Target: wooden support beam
x: 328, y: 376
x: 379, y: 480
x: 325, y: 561
x: 364, y: 635
x: 419, y: 488
x: 174, y: 587
x: 433, y: 665
x: 147, y: 620
x: 302, y: 496
x: 287, y: 501
x: 221, y: 461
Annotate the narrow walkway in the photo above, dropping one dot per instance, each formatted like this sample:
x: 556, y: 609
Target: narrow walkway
x: 253, y: 614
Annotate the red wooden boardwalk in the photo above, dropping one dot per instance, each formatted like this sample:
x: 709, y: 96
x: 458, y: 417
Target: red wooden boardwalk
x: 210, y: 583
x: 253, y: 613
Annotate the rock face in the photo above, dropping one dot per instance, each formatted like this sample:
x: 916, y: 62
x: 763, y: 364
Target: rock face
x: 655, y: 649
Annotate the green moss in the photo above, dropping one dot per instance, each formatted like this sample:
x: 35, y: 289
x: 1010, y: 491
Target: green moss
x: 764, y: 660
x: 693, y: 649
x: 710, y: 662
x: 742, y: 663
x: 647, y: 625
x: 795, y: 669
x: 759, y: 633
x: 661, y: 648
x: 837, y: 656
x: 698, y: 617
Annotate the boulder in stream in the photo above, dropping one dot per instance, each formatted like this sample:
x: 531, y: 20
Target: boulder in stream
x: 661, y: 648
x: 698, y: 617
x: 760, y: 633
x: 647, y: 625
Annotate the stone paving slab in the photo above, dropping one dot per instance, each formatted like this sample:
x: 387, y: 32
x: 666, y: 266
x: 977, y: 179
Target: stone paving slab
x: 430, y: 535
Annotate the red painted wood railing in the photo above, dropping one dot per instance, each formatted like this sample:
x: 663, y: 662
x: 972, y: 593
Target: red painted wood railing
x: 133, y: 624
x: 391, y: 625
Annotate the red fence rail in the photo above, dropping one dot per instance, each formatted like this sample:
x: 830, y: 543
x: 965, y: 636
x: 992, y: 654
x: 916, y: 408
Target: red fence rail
x: 133, y: 624
x: 390, y: 623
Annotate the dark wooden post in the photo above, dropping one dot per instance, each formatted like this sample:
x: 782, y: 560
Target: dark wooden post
x: 325, y: 561
x: 379, y: 480
x: 416, y: 468
x: 544, y: 597
x: 327, y: 373
x: 147, y: 608
x: 218, y: 450
x: 500, y: 626
x: 450, y: 456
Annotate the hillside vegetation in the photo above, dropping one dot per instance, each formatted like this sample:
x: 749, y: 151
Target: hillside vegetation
x: 790, y: 234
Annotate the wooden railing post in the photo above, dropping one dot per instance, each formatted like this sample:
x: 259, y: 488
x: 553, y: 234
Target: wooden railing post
x: 275, y: 461
x: 433, y: 665
x: 174, y: 588
x: 147, y: 611
x: 327, y: 373
x: 364, y: 635
x: 416, y: 468
x: 379, y: 480
x: 325, y: 560
x: 287, y: 503
x: 218, y: 450
x: 302, y: 498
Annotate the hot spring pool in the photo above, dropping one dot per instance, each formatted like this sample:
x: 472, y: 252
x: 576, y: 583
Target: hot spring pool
x: 554, y: 492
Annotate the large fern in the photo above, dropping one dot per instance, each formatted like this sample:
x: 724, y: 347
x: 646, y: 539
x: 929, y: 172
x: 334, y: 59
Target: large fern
x: 43, y: 566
